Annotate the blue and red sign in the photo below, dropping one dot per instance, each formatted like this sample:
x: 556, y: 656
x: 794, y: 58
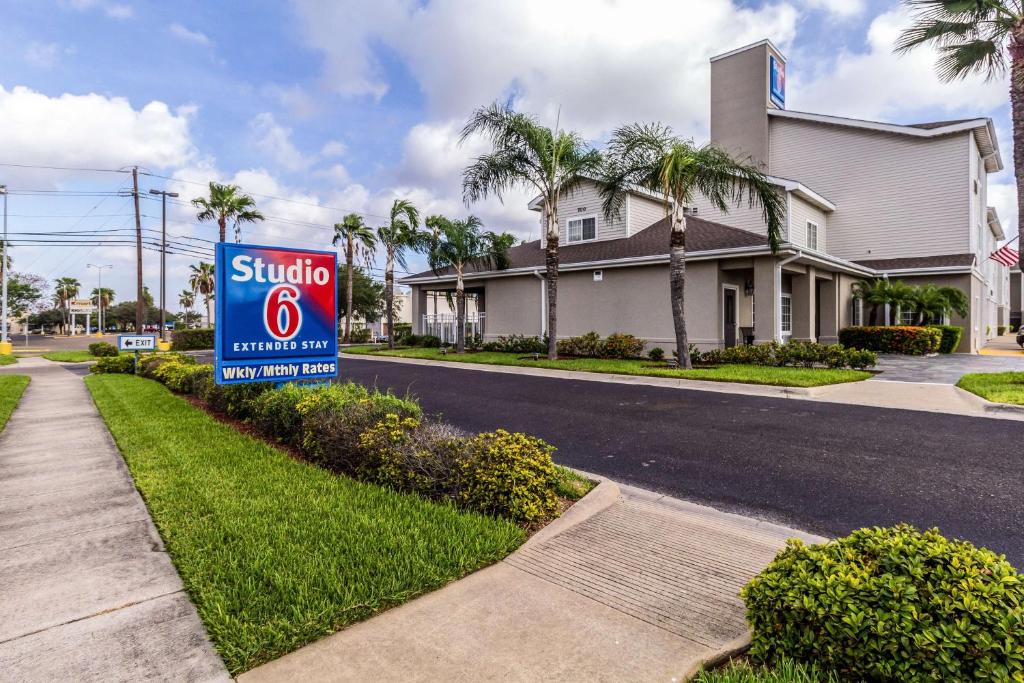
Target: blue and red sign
x: 777, y: 81
x: 277, y: 314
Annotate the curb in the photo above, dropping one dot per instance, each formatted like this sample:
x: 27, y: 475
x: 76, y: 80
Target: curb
x: 715, y: 659
x: 1004, y: 410
x: 600, y: 498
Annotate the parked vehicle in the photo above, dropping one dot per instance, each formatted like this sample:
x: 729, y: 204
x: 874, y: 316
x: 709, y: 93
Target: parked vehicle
x: 1020, y: 336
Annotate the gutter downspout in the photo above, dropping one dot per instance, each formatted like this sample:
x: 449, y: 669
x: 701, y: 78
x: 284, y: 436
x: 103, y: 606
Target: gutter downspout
x: 886, y: 310
x: 543, y: 302
x: 778, y: 292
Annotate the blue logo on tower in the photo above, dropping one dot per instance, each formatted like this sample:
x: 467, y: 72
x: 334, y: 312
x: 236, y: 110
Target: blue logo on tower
x: 277, y: 314
x: 777, y: 82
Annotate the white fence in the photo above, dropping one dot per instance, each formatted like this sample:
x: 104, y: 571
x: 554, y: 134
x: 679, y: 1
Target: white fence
x: 445, y: 326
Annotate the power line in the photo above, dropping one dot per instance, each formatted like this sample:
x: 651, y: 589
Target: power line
x: 65, y: 168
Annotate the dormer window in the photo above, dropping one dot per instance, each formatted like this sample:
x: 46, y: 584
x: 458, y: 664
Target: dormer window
x: 812, y: 235
x: 582, y: 229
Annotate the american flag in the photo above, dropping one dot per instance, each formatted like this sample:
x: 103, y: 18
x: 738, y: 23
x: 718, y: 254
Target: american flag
x: 1005, y: 255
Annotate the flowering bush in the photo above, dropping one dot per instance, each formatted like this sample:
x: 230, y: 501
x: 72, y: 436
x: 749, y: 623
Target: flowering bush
x: 911, y: 341
x: 510, y: 475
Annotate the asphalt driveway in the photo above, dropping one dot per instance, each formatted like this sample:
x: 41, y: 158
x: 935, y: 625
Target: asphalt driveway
x: 824, y: 467
x: 941, y: 369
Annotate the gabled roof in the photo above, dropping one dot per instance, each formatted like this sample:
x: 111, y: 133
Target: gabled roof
x: 983, y: 129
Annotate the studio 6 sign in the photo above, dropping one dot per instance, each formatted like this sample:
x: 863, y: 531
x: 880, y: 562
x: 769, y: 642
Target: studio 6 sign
x: 277, y: 314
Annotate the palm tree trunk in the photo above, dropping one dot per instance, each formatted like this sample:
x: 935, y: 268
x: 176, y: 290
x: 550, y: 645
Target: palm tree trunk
x: 1017, y: 116
x: 551, y: 276
x: 209, y: 312
x: 222, y: 222
x: 677, y: 285
x: 460, y: 315
x: 349, y: 258
x: 389, y: 295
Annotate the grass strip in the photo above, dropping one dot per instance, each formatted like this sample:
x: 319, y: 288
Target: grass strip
x: 276, y: 553
x: 785, y: 671
x: 69, y: 356
x: 11, y: 388
x: 7, y: 359
x: 746, y: 374
x: 998, y: 387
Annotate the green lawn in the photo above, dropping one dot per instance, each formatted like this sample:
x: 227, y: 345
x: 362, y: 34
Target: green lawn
x: 8, y: 360
x: 276, y: 553
x: 748, y: 374
x: 787, y: 671
x: 11, y: 388
x: 1000, y: 387
x: 69, y: 356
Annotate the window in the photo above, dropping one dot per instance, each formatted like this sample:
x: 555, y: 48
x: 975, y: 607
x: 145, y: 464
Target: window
x: 787, y: 315
x: 907, y: 317
x: 582, y: 229
x: 812, y: 235
x: 857, y: 319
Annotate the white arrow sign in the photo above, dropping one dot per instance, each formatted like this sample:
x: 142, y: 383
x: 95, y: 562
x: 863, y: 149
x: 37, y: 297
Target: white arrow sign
x: 136, y: 342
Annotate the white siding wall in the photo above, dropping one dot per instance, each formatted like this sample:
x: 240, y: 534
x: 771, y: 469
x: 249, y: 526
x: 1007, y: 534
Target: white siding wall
x: 586, y: 201
x: 743, y: 216
x: 643, y: 213
x: 895, y: 196
x: 802, y: 211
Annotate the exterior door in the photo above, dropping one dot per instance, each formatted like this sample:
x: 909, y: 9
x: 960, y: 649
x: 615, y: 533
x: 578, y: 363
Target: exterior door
x: 729, y: 316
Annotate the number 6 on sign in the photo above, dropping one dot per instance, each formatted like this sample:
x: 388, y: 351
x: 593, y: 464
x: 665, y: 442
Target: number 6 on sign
x: 282, y: 315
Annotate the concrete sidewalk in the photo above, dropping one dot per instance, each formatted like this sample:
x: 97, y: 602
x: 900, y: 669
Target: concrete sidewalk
x: 643, y: 589
x: 87, y: 592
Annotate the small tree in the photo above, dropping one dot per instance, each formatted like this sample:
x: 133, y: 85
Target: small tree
x: 359, y: 241
x: 458, y: 245
x: 202, y: 281
x: 186, y: 300
x: 652, y: 157
x: 875, y: 293
x: 226, y: 204
x: 396, y: 237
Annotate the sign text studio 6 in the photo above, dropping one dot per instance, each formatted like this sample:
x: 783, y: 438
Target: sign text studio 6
x: 277, y: 314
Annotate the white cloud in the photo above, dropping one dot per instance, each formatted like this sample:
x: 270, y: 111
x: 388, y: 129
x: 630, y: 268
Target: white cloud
x: 89, y: 130
x: 276, y: 141
x: 333, y: 148
x: 840, y: 9
x: 114, y: 10
x: 294, y: 98
x: 189, y: 36
x: 43, y: 55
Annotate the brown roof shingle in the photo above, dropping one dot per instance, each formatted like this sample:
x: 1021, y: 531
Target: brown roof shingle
x: 701, y: 235
x: 945, y: 261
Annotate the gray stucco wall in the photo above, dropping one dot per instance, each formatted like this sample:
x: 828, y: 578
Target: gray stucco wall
x: 970, y: 286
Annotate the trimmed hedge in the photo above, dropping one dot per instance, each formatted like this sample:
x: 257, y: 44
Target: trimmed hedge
x: 891, y: 604
x: 951, y: 335
x: 590, y: 345
x: 907, y: 340
x: 376, y: 437
x: 796, y: 354
x: 103, y: 349
x: 517, y: 343
x: 192, y: 340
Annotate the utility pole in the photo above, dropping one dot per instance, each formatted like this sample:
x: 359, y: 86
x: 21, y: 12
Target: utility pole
x: 140, y: 304
x: 5, y: 342
x: 99, y: 296
x: 163, y: 259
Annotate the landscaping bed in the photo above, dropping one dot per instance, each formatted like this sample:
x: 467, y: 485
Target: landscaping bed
x: 743, y: 373
x: 7, y: 360
x: 11, y: 389
x: 998, y: 387
x: 276, y: 553
x: 69, y: 356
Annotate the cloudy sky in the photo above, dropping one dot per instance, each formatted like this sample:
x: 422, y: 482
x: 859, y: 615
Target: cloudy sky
x: 323, y: 107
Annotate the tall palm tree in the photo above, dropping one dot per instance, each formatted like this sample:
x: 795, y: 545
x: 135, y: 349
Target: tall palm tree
x: 65, y: 289
x: 226, y: 204
x: 652, y: 157
x: 875, y: 293
x: 458, y: 245
x: 976, y: 37
x: 525, y: 154
x: 103, y: 298
x: 359, y: 242
x: 396, y: 237
x: 186, y: 300
x: 202, y: 280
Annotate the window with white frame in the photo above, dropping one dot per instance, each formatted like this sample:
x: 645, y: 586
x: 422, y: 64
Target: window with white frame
x: 907, y: 316
x: 582, y: 229
x: 812, y: 235
x: 787, y: 315
x: 857, y: 319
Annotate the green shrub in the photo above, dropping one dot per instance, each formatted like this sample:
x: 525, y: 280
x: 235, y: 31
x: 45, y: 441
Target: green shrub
x: 951, y: 335
x: 1001, y: 330
x: 656, y: 354
x: 334, y: 417
x: 183, y: 378
x: 429, y: 341
x: 103, y: 349
x: 402, y: 331
x: 804, y: 354
x: 359, y: 335
x: 190, y: 340
x: 233, y: 400
x: 510, y: 475
x: 891, y: 604
x: 911, y: 341
x: 625, y: 346
x: 151, y: 363
x: 587, y: 345
x: 275, y: 414
x: 407, y: 455
x: 517, y: 343
x: 114, y: 364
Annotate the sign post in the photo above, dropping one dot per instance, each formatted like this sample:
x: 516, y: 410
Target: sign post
x: 277, y: 314
x: 136, y: 343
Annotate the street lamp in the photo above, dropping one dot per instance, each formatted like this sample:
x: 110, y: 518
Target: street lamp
x: 163, y: 259
x: 5, y: 341
x: 99, y: 295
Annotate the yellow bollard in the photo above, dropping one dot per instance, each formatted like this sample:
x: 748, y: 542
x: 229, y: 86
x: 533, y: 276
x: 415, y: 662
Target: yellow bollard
x: 6, y: 348
x: 162, y: 345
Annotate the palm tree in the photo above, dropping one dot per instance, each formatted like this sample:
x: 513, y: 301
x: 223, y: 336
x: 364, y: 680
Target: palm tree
x: 66, y: 288
x: 6, y: 263
x: 652, y: 157
x: 202, y: 281
x: 186, y: 300
x: 396, y: 237
x: 103, y: 298
x: 976, y: 37
x: 873, y: 292
x: 527, y: 154
x: 458, y: 245
x: 931, y: 301
x: 226, y: 204
x: 901, y: 298
x: 359, y: 241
